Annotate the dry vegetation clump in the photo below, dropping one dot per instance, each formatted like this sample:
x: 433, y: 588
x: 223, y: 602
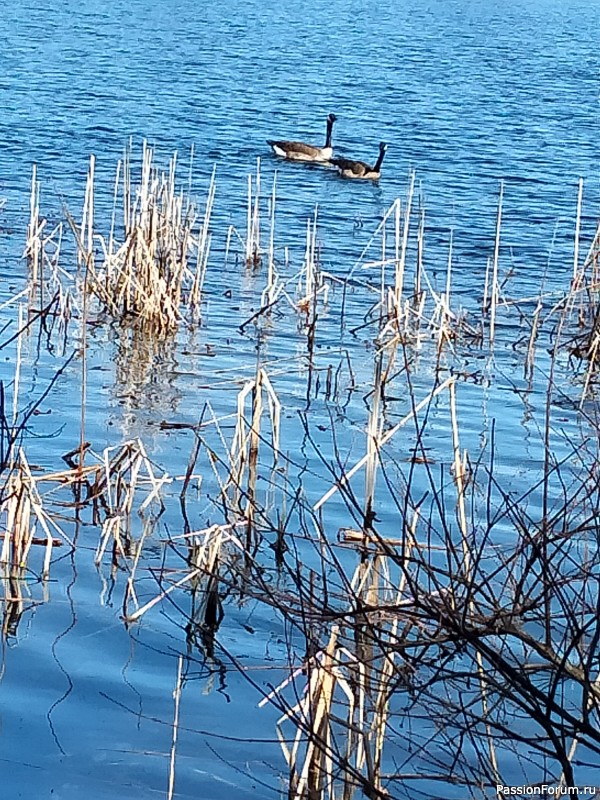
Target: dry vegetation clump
x: 149, y: 269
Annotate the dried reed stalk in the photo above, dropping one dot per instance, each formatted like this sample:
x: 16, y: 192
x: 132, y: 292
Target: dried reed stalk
x: 42, y: 251
x: 374, y: 430
x: 494, y: 282
x: 35, y: 227
x: 253, y: 251
x: 311, y: 281
x: 311, y: 716
x: 577, y: 231
x: 400, y: 254
x: 123, y: 475
x: 445, y: 329
x: 271, y: 272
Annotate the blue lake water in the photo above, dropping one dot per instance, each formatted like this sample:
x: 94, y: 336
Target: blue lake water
x: 467, y: 94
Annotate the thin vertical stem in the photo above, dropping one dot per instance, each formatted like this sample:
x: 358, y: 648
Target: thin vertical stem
x: 177, y: 698
x: 494, y: 291
x: 577, y: 229
x: 400, y: 264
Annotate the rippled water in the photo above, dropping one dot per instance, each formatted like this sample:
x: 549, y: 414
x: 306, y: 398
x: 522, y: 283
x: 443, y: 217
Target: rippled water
x: 465, y: 93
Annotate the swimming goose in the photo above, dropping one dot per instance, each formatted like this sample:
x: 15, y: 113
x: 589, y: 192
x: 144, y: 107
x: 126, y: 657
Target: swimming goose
x: 298, y: 151
x: 348, y: 168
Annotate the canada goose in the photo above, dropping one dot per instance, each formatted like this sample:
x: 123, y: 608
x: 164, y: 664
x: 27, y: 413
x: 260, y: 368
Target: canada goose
x: 298, y: 151
x: 348, y: 168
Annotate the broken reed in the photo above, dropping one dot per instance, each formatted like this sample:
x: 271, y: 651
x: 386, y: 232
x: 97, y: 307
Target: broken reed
x: 240, y: 486
x: 23, y: 517
x: 30, y: 521
x: 123, y: 472
x: 28, y: 529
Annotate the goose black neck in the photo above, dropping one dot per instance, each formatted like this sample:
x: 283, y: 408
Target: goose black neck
x: 379, y: 161
x: 329, y: 131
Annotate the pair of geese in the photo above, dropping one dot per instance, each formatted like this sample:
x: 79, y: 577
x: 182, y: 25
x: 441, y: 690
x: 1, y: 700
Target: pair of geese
x: 346, y: 167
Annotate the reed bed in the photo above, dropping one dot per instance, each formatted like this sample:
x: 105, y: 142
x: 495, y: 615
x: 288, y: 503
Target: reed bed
x: 443, y: 629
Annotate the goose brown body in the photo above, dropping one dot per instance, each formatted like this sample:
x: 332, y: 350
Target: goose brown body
x: 349, y: 168
x: 300, y: 151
